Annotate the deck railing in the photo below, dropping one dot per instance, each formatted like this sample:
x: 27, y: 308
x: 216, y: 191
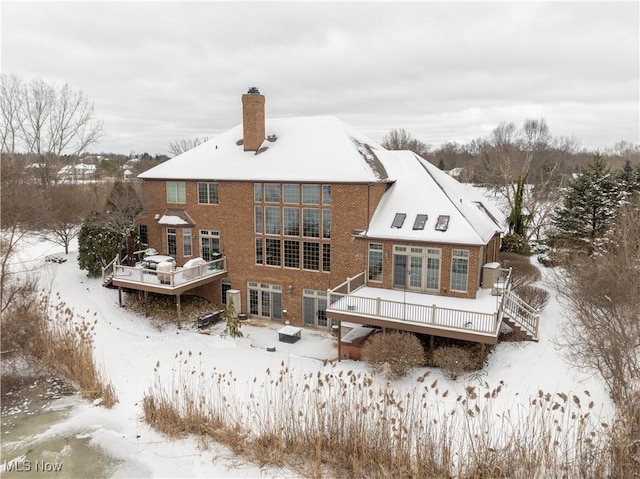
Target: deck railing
x: 108, y: 270
x: 169, y: 279
x: 519, y: 311
x: 342, y: 299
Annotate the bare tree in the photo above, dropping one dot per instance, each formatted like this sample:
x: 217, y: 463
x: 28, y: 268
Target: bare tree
x: 46, y: 121
x: 402, y: 140
x: 524, y: 156
x: 180, y: 146
x: 11, y: 91
x: 66, y: 207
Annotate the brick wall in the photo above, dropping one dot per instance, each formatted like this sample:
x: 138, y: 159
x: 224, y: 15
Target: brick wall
x: 352, y: 206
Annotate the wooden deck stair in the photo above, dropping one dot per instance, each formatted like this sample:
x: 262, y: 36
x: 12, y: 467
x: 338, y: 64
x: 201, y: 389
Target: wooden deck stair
x: 519, y: 316
x: 108, y: 271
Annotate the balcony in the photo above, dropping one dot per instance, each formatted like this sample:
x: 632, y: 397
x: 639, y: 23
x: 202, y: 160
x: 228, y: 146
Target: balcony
x: 174, y: 282
x: 476, y: 320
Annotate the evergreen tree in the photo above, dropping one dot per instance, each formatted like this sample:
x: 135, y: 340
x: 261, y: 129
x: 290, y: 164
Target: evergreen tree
x: 104, y: 234
x: 629, y: 178
x: 97, y: 246
x: 589, y: 204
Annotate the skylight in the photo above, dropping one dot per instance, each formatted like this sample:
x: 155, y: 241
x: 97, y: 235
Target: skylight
x: 420, y: 221
x: 443, y: 223
x: 398, y: 221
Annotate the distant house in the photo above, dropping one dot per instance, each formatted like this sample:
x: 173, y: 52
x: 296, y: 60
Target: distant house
x: 77, y: 172
x: 455, y: 172
x: 309, y: 221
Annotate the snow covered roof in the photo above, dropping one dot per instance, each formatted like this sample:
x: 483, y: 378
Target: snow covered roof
x: 463, y: 216
x: 313, y: 149
x: 175, y: 217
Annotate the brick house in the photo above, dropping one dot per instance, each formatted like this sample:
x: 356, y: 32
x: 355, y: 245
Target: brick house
x: 318, y: 224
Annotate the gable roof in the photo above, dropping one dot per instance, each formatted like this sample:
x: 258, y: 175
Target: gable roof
x: 420, y: 188
x: 309, y: 149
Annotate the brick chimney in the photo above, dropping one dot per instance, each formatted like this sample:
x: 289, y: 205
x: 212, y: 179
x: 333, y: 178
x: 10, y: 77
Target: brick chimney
x: 253, y: 128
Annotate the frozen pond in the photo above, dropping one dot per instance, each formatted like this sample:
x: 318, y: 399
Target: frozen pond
x: 31, y: 408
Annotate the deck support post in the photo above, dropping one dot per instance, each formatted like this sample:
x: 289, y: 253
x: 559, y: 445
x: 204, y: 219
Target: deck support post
x: 120, y: 296
x: 178, y: 308
x: 339, y: 340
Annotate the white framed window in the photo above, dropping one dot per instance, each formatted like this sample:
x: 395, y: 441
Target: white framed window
x: 172, y: 245
x: 375, y: 262
x: 209, y: 244
x: 459, y: 270
x: 187, y: 243
x: 176, y: 192
x: 208, y: 193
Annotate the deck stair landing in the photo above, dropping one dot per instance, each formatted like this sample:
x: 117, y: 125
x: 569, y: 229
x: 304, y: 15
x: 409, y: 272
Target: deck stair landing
x: 519, y: 316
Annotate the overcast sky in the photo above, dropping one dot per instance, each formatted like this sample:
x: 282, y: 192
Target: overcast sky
x: 162, y: 71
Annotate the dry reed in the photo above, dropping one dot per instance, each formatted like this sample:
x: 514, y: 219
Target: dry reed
x: 345, y: 424
x: 62, y: 340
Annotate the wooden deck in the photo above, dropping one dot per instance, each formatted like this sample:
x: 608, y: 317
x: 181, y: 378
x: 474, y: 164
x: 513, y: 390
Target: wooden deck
x: 476, y: 320
x: 173, y: 283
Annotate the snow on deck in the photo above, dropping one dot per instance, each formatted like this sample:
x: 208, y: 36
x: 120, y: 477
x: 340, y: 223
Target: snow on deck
x: 473, y: 315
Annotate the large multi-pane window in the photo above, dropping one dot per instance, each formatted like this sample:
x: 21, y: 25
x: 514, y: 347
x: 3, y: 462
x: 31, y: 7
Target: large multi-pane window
x: 311, y: 255
x: 291, y: 194
x: 172, y: 244
x: 272, y: 192
x: 272, y: 220
x: 326, y: 257
x: 291, y: 254
x: 311, y: 194
x: 187, y: 245
x: 280, y: 228
x: 176, y: 192
x: 311, y: 222
x: 291, y: 221
x: 375, y: 262
x: 326, y: 223
x: 208, y: 193
x: 273, y: 251
x: 459, y: 269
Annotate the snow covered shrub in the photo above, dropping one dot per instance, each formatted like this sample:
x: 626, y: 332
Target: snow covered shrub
x: 522, y: 271
x: 394, y: 352
x: 453, y: 361
x: 515, y: 243
x: 535, y: 297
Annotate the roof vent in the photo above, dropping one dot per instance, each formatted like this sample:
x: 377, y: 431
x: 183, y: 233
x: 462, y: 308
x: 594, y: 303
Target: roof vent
x: 253, y: 90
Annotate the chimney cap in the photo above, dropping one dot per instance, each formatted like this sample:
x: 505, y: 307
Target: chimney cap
x: 253, y: 90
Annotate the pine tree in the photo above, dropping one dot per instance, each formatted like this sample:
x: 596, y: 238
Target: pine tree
x: 589, y: 204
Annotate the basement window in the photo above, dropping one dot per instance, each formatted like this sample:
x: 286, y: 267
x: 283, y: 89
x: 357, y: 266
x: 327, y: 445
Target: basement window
x: 398, y: 221
x: 443, y: 223
x: 420, y: 221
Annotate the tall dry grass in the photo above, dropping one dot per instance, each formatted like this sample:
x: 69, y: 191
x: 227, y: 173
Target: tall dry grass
x: 346, y: 424
x: 62, y: 340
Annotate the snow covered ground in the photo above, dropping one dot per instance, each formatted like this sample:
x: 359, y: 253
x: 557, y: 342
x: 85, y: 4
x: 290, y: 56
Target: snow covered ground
x: 128, y: 348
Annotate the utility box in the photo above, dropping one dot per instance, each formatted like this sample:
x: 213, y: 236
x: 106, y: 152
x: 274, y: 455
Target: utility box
x: 234, y: 295
x: 490, y: 274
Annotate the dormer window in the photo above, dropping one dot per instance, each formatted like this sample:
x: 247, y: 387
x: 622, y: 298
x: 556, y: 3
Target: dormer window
x: 398, y: 221
x: 443, y: 223
x: 420, y: 221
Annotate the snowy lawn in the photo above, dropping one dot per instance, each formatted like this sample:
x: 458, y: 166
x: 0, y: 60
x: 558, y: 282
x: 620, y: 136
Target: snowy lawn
x: 128, y: 348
